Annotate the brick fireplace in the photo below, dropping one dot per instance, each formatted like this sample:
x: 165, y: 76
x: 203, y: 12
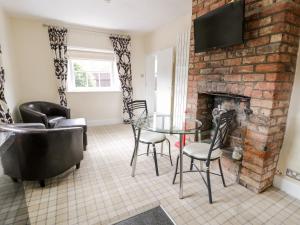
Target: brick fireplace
x: 261, y: 70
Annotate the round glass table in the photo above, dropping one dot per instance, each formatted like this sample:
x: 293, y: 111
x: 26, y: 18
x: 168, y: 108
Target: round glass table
x: 167, y: 124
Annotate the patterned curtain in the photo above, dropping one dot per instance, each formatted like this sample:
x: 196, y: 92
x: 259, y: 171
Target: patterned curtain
x: 58, y: 45
x: 5, y: 116
x: 121, y: 46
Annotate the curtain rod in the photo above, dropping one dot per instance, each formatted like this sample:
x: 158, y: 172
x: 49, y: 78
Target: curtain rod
x: 86, y: 30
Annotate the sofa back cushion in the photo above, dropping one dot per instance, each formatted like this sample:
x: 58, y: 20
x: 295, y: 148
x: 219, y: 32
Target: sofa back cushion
x: 41, y: 107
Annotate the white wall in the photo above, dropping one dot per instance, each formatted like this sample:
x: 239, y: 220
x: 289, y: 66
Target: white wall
x: 290, y: 152
x: 36, y: 71
x: 165, y: 36
x: 11, y: 85
x: 32, y: 62
x: 34, y: 68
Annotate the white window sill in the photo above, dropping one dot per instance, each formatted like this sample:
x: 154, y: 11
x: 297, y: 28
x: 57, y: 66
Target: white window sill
x: 94, y: 91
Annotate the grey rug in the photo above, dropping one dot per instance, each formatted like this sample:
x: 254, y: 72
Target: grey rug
x: 156, y: 216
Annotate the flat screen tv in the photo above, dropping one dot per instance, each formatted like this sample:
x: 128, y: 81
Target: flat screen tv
x: 222, y: 27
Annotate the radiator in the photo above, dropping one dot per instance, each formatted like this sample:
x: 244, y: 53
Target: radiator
x: 181, y: 78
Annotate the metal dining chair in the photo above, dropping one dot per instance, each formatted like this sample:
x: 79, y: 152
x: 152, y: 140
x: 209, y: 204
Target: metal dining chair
x: 205, y: 152
x: 137, y: 109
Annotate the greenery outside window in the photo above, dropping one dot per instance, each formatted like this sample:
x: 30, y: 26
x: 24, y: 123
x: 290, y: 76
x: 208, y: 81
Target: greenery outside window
x: 92, y: 71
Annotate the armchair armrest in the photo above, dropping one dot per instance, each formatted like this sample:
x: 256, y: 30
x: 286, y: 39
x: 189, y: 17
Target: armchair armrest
x: 27, y: 125
x: 31, y: 116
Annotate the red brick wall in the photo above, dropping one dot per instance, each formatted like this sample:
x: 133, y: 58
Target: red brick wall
x: 262, y: 68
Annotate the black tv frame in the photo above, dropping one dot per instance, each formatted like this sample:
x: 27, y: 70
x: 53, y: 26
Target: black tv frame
x: 214, y: 12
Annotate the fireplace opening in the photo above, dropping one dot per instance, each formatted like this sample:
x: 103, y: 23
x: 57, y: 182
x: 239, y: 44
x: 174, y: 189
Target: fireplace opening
x: 212, y: 103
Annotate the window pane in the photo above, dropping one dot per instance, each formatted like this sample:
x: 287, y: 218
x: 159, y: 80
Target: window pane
x: 105, y: 80
x: 80, y: 79
x: 93, y: 73
x: 93, y: 79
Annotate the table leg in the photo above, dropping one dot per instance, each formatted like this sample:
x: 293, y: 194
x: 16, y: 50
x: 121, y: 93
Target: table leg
x: 162, y: 144
x: 137, y: 140
x: 180, y: 167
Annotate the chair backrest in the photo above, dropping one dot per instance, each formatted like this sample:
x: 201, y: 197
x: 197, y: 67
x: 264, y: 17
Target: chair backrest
x: 135, y: 110
x: 39, y: 106
x: 221, y: 131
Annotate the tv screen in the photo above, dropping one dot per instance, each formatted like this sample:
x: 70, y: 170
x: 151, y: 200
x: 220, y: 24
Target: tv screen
x: 222, y: 27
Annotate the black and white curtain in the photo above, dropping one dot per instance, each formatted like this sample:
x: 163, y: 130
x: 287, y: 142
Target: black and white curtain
x: 58, y: 45
x: 5, y: 116
x: 121, y: 46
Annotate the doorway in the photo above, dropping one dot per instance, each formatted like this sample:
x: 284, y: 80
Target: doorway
x: 159, y: 81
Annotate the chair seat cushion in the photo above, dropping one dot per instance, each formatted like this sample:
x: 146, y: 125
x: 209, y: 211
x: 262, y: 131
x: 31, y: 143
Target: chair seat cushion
x: 151, y: 137
x: 76, y: 122
x: 200, y: 151
x: 52, y: 120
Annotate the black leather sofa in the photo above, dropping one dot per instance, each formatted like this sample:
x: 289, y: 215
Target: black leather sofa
x: 36, y: 153
x: 47, y: 113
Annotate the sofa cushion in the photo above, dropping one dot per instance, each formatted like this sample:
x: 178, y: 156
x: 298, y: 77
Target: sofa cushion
x: 52, y: 120
x: 77, y: 122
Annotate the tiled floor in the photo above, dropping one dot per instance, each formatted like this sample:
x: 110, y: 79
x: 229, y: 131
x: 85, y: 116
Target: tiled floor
x: 13, y: 208
x: 102, y: 191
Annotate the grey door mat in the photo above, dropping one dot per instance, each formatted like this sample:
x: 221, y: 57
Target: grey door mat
x: 156, y: 216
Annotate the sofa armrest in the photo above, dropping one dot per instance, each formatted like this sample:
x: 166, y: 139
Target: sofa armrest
x: 28, y: 125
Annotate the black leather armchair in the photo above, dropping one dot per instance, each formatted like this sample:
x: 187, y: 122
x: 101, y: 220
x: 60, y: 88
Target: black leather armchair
x: 37, y: 153
x: 47, y: 113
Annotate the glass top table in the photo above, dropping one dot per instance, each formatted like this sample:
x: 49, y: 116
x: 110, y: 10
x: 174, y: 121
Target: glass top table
x: 167, y: 124
x: 163, y: 123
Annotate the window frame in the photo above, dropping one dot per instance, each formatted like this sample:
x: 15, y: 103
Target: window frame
x: 71, y: 86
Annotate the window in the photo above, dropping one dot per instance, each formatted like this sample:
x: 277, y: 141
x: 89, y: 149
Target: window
x: 92, y: 71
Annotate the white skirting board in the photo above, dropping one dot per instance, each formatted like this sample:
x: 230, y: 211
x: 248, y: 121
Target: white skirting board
x: 285, y: 184
x: 95, y: 123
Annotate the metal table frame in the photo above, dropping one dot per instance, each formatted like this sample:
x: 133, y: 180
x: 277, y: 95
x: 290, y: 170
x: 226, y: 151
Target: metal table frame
x: 180, y: 154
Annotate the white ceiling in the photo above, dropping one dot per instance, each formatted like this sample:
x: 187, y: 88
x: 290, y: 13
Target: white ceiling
x: 129, y: 15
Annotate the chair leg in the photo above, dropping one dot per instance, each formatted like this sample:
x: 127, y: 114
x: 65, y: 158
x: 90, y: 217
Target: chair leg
x: 162, y: 149
x: 169, y: 144
x: 192, y: 161
x: 42, y: 183
x: 208, y: 185
x: 155, y: 160
x: 131, y: 161
x: 221, y: 172
x: 148, y: 149
x: 176, y: 168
